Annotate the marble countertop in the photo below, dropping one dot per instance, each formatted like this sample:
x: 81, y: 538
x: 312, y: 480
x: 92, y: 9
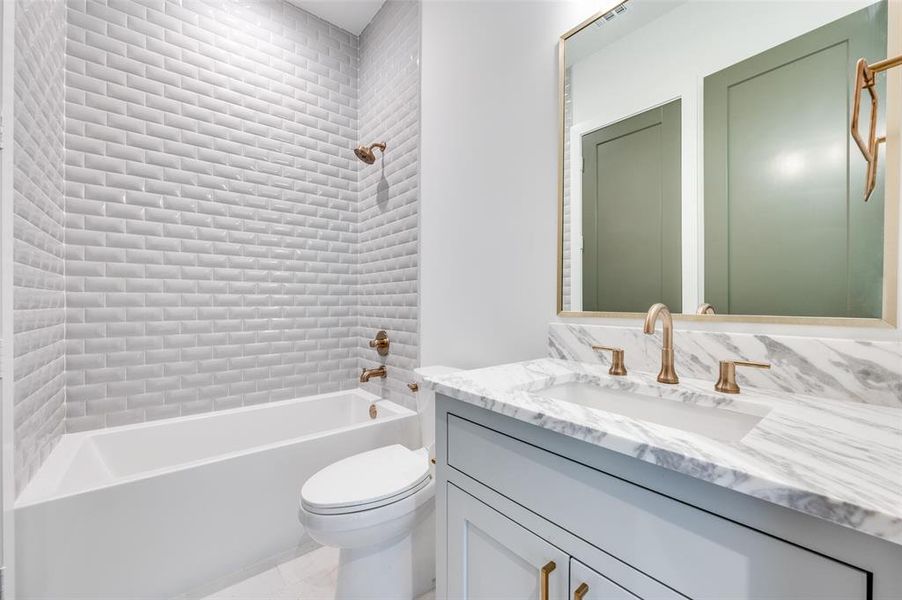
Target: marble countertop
x: 839, y: 461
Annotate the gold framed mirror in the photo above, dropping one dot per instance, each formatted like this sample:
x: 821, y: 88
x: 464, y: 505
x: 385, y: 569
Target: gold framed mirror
x: 706, y: 162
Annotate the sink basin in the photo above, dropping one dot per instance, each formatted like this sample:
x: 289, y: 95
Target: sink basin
x: 724, y: 424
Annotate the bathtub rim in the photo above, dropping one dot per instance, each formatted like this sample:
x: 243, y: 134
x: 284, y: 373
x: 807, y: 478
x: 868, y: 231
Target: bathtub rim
x: 45, y: 484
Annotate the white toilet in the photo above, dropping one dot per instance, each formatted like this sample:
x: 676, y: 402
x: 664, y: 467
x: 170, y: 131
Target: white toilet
x: 378, y: 507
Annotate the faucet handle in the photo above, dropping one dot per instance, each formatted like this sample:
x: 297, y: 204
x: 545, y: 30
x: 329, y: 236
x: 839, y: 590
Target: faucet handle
x: 706, y: 309
x: 617, y: 366
x: 380, y: 343
x: 726, y: 378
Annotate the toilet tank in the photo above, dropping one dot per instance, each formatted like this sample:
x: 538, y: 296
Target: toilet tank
x: 426, y: 404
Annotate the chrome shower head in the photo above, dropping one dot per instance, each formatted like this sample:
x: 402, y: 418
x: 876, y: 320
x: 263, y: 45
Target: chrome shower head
x: 366, y: 154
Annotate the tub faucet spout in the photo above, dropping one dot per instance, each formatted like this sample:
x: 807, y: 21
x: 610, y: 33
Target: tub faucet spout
x: 368, y: 374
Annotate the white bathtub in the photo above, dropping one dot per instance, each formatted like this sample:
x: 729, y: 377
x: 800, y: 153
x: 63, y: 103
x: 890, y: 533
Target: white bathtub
x: 158, y: 509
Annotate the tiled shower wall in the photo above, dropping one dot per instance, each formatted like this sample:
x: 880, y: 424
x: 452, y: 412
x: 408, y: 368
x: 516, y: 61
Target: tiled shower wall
x: 389, y: 192
x: 220, y: 244
x: 566, y: 266
x: 211, y: 207
x: 39, y: 296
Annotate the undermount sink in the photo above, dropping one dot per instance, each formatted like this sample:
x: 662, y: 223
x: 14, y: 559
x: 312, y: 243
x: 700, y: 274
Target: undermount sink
x: 724, y: 424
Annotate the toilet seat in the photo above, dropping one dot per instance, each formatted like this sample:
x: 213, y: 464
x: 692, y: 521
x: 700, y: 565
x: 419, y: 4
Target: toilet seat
x: 366, y: 481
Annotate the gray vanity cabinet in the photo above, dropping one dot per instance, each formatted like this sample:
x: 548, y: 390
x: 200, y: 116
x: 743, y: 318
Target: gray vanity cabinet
x: 586, y: 584
x: 492, y: 557
x: 516, y: 497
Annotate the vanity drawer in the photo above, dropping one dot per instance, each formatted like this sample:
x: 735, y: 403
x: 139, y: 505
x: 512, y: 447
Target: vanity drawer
x: 696, y: 553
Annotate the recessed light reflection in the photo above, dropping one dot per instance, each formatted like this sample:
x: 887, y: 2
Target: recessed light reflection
x: 789, y: 164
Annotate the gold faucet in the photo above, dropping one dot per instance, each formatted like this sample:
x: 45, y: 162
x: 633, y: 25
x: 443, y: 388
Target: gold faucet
x: 368, y: 374
x: 667, y: 373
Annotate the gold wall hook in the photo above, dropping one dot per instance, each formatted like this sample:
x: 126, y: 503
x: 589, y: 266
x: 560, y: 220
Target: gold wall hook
x: 866, y: 79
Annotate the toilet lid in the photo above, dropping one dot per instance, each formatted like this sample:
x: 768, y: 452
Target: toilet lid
x: 366, y: 480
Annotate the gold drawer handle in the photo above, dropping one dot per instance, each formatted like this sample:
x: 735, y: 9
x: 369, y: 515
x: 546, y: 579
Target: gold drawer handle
x: 543, y: 579
x: 581, y: 591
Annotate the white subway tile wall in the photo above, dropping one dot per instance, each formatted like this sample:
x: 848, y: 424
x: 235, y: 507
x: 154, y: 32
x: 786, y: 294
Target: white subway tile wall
x: 220, y: 244
x: 389, y: 195
x: 211, y: 207
x: 39, y: 294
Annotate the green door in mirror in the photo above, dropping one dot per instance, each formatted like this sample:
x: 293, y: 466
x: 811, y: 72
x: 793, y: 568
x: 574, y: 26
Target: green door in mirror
x: 631, y: 213
x: 786, y: 231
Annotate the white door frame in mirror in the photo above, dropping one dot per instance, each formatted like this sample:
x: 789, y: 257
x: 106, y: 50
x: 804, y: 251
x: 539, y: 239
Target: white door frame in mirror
x: 692, y: 213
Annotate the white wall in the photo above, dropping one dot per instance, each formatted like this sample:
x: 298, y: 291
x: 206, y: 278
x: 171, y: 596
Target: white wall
x: 489, y: 178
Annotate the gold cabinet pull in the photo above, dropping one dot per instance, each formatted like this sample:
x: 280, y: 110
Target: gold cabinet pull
x: 544, y: 573
x: 581, y: 591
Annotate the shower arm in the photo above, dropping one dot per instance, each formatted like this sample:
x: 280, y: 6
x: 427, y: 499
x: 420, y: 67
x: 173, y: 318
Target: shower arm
x: 866, y: 79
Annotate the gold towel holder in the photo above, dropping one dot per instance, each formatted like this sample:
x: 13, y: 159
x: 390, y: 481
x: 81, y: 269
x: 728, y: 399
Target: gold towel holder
x: 866, y: 79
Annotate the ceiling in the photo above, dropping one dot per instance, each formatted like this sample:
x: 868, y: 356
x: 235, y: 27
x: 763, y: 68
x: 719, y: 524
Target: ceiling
x: 350, y: 15
x: 615, y: 24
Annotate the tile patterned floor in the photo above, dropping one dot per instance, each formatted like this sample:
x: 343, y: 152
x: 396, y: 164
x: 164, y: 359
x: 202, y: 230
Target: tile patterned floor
x: 307, y: 577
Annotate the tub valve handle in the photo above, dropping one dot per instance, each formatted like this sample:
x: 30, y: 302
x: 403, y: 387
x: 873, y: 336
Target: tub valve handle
x: 380, y: 343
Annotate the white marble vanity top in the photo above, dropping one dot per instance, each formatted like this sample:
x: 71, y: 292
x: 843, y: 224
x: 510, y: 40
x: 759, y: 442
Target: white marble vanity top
x: 839, y: 461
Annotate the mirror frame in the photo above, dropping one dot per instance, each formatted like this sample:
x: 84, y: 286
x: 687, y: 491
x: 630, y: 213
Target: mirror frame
x: 892, y: 183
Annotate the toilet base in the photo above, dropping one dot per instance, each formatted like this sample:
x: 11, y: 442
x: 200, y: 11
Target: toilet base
x: 398, y: 569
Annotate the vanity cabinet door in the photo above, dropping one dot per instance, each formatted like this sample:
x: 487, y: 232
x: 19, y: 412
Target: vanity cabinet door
x: 586, y: 584
x: 691, y: 551
x: 492, y: 558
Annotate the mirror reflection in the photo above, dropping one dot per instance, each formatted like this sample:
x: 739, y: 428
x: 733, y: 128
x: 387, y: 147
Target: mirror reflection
x: 708, y: 162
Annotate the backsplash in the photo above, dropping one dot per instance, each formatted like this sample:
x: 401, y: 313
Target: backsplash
x: 843, y: 369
